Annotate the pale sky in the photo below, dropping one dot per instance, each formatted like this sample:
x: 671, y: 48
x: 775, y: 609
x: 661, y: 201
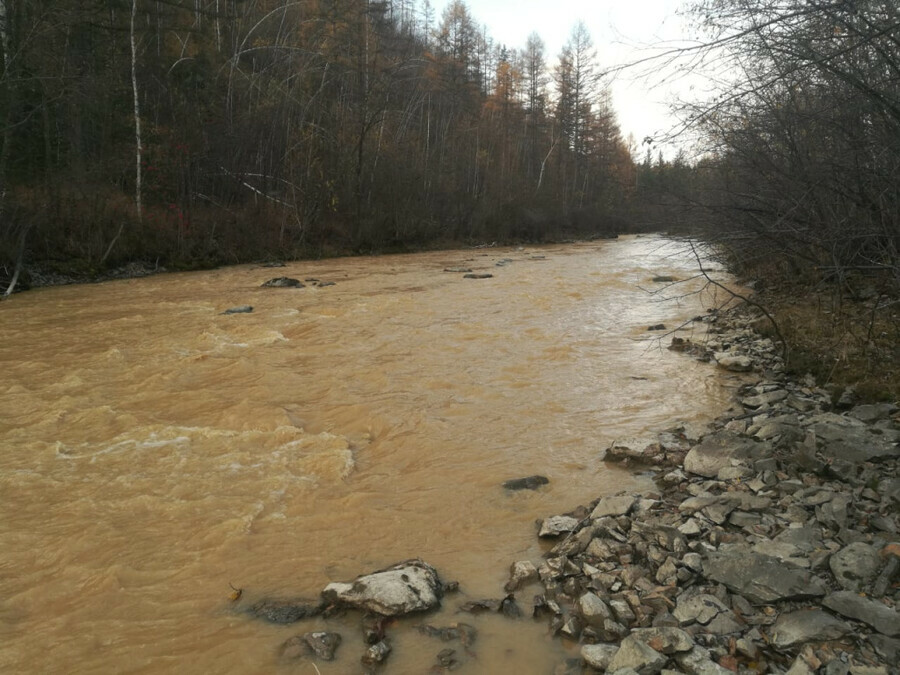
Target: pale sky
x: 619, y: 29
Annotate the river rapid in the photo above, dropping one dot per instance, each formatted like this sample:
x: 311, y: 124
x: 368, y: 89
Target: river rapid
x: 154, y: 451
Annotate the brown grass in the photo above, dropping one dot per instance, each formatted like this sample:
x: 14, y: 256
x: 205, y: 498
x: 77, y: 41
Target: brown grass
x: 842, y: 339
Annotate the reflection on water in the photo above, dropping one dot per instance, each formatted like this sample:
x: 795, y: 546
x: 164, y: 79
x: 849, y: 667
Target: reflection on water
x: 154, y: 451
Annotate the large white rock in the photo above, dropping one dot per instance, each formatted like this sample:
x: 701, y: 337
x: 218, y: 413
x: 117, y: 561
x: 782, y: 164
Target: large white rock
x: 411, y: 586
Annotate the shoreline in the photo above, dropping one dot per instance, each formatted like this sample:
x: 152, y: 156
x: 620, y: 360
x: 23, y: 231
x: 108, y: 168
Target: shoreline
x: 771, y: 545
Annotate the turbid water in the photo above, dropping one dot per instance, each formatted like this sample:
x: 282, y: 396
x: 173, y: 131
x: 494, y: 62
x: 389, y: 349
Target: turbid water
x: 154, y: 451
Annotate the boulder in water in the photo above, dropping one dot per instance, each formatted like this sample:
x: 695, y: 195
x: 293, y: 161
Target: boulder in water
x: 411, y: 586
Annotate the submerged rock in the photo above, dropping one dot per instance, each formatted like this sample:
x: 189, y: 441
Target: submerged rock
x: 527, y: 483
x: 320, y: 643
x: 283, y: 282
x: 411, y: 586
x: 285, y: 611
x: 377, y: 653
x: 240, y: 309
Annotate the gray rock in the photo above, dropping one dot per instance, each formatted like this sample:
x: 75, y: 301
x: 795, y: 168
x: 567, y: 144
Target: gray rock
x: 377, y: 653
x: 765, y: 399
x: 882, y: 618
x: 807, y: 625
x: 240, y: 309
x: 698, y: 662
x: 663, y: 279
x: 873, y: 412
x: 527, y: 483
x: 665, y: 640
x: 887, y: 648
x: 411, y: 586
x: 849, y: 439
x: 737, y: 363
x: 593, y: 610
x: 556, y: 525
x: 617, y: 505
x: 599, y: 656
x: 633, y: 653
x: 855, y: 566
x: 477, y: 276
x: 701, y: 608
x: 761, y: 578
x: 800, y: 667
x: 717, y: 450
x: 520, y: 573
x: 323, y: 644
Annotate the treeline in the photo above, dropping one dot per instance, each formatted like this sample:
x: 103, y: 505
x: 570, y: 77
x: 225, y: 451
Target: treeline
x: 187, y: 131
x: 802, y: 168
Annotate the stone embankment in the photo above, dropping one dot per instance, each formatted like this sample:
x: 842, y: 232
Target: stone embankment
x: 771, y: 544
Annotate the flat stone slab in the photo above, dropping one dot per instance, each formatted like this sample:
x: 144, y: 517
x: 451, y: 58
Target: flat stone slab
x: 557, y: 525
x: 717, y: 450
x: 411, y: 586
x: 635, y: 654
x: 760, y: 578
x: 849, y: 439
x: 855, y: 566
x: 615, y: 505
x: 734, y: 362
x: 807, y: 625
x: 882, y: 618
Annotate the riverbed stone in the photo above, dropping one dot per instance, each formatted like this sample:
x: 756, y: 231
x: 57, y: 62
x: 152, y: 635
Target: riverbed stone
x: 701, y: 608
x: 761, y: 578
x: 593, y: 610
x: 410, y: 586
x: 635, y: 654
x: 323, y: 644
x: 807, y: 625
x: 717, y: 450
x: 377, y: 653
x: 738, y: 363
x: 882, y: 618
x: 665, y: 640
x: 557, y: 525
x: 873, y: 412
x: 521, y: 572
x: 855, y: 566
x: 614, y: 505
x: 599, y: 656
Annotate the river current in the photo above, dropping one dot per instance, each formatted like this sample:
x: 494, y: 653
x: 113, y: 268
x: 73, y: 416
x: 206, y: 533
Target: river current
x: 155, y: 452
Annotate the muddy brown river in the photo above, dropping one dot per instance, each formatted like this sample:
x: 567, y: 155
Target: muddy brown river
x: 154, y: 451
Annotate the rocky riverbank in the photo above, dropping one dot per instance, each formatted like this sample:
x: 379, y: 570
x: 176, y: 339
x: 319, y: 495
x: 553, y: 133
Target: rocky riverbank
x: 771, y: 544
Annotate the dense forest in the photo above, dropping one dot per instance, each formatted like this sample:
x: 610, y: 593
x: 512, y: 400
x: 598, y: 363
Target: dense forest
x: 208, y: 131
